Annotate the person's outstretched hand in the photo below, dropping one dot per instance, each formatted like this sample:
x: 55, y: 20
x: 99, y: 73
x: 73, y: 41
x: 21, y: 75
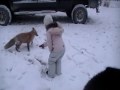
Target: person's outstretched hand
x: 42, y: 46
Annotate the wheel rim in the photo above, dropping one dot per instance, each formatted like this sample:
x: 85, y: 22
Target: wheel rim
x: 79, y: 16
x: 2, y: 17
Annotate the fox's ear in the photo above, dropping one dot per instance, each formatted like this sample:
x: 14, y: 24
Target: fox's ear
x: 33, y: 29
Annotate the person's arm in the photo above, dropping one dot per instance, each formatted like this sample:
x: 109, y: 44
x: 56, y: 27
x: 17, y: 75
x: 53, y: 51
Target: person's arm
x: 48, y: 42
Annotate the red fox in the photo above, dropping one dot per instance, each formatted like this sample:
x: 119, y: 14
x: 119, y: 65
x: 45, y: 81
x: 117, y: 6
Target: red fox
x: 22, y: 38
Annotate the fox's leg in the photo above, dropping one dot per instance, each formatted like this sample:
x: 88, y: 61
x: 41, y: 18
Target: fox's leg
x: 28, y: 46
x: 18, y: 46
x: 31, y: 42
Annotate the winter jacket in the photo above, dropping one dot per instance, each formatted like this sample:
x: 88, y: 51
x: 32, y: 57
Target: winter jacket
x: 54, y: 39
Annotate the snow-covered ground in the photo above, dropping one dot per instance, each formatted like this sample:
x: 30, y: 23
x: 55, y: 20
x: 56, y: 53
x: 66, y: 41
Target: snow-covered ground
x: 90, y: 48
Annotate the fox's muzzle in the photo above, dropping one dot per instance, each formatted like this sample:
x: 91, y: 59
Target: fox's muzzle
x: 36, y: 34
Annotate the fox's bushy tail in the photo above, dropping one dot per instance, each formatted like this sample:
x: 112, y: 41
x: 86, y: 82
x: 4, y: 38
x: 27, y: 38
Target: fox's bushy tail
x: 10, y: 43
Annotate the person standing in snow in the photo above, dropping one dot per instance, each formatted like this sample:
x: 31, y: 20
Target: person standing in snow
x: 55, y: 44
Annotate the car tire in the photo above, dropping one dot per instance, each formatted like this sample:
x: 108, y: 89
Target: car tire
x: 5, y: 15
x: 79, y: 14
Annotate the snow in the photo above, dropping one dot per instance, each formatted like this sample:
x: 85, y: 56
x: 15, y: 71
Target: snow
x: 114, y: 4
x: 90, y: 48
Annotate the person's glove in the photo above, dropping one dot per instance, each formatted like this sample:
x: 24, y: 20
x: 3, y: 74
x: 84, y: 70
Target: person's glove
x: 42, y: 46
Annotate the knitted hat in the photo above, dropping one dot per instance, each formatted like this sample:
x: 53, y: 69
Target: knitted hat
x: 47, y: 20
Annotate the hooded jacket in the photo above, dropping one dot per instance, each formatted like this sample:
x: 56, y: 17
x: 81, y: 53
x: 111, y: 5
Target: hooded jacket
x: 54, y: 38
